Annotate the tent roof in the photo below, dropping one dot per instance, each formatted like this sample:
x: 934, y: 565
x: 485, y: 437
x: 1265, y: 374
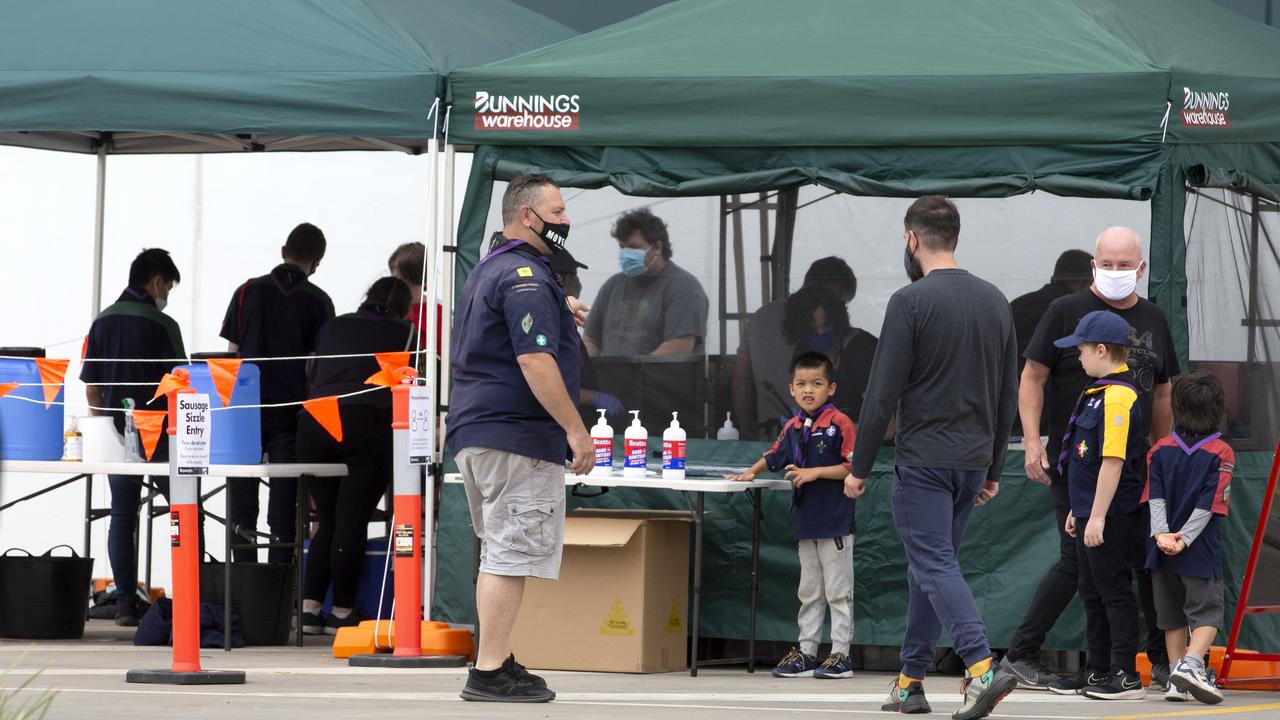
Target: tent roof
x: 909, y: 73
x: 192, y: 75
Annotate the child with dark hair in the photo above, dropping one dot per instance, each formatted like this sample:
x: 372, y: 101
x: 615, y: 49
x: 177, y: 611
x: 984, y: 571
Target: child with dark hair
x: 1188, y: 488
x: 812, y: 452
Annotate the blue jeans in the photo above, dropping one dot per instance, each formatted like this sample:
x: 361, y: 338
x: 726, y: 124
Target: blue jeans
x: 279, y: 428
x: 122, y: 543
x: 930, y: 508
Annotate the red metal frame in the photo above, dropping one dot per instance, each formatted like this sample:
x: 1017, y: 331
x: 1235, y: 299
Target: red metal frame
x: 1242, y: 605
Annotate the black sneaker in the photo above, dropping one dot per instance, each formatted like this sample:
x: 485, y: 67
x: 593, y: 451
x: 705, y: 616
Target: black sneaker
x: 313, y: 623
x: 1031, y: 672
x: 520, y: 670
x: 1123, y: 685
x: 1075, y: 684
x: 910, y: 701
x: 1160, y: 676
x: 507, y: 685
x: 335, y: 623
x: 128, y: 613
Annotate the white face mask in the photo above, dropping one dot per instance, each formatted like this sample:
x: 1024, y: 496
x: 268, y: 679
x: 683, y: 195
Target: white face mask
x: 161, y: 302
x: 1115, y: 284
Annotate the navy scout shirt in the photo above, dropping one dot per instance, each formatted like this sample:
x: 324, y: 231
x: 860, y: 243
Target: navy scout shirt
x: 1107, y: 424
x: 1191, y: 474
x: 818, y: 509
x: 511, y: 305
x: 131, y: 328
x: 278, y: 315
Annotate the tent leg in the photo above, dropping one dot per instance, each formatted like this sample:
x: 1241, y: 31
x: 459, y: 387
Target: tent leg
x: 99, y: 216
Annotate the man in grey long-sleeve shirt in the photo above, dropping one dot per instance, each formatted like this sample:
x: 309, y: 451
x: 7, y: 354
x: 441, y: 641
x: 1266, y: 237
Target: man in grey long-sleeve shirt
x: 947, y: 364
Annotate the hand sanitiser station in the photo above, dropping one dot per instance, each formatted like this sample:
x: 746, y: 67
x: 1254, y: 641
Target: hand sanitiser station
x: 602, y: 441
x: 673, y: 450
x: 635, y: 448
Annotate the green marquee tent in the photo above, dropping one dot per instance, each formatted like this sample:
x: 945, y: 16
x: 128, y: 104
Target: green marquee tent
x: 988, y: 98
x: 191, y: 76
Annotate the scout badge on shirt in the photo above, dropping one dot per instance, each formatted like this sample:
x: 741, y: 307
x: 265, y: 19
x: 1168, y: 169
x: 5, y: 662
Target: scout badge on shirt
x: 526, y: 324
x: 524, y: 271
x: 1082, y: 449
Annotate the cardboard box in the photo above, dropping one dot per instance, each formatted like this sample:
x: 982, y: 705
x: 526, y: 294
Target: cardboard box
x: 621, y: 604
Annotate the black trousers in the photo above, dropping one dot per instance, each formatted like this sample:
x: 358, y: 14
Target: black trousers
x: 1106, y: 588
x: 343, y: 506
x: 1058, y: 586
x: 279, y: 428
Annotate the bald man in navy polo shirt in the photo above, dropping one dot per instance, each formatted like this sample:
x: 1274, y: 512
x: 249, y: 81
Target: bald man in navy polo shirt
x: 513, y: 421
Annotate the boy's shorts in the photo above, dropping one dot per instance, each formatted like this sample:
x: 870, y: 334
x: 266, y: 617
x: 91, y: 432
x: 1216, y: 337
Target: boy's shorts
x: 1185, y: 601
x: 517, y: 509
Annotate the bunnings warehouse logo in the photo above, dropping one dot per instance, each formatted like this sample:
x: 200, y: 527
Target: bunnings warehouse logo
x: 1205, y: 109
x: 526, y: 112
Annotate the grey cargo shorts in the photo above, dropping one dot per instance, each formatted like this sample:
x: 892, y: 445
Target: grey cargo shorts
x: 517, y: 509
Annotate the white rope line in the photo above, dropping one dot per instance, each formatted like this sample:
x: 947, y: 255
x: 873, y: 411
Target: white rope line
x: 77, y: 406
x: 190, y: 361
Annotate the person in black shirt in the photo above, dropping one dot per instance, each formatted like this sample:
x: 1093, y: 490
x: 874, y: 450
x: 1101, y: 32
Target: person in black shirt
x: 134, y: 327
x: 344, y: 505
x: 1118, y: 265
x: 277, y: 315
x: 816, y: 319
x: 1073, y: 272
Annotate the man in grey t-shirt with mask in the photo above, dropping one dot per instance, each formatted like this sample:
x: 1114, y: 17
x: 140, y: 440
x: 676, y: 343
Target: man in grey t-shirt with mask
x: 652, y: 307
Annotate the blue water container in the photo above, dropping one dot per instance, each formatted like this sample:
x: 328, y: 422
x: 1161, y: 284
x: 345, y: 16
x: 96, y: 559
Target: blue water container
x: 28, y: 430
x: 237, y: 433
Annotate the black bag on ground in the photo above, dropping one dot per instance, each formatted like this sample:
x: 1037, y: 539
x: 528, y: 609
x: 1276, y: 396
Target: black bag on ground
x: 261, y: 593
x: 45, y: 596
x: 156, y: 626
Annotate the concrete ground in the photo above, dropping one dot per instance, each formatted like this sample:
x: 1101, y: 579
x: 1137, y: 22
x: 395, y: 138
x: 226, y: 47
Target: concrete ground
x: 291, y: 682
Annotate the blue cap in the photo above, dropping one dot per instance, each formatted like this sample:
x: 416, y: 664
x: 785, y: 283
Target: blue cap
x: 1099, y: 326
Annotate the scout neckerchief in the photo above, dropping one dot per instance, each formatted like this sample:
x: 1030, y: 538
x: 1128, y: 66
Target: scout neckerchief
x: 795, y: 447
x: 1075, y: 413
x: 508, y: 247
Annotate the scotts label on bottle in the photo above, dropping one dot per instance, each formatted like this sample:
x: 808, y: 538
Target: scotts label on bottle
x: 604, y: 451
x: 673, y: 454
x: 636, y: 452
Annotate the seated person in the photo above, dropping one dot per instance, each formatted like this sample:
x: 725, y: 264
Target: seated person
x: 760, y: 369
x: 652, y: 307
x: 817, y: 320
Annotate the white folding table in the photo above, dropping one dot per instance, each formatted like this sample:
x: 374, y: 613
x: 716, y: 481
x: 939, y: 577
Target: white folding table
x: 694, y: 491
x: 75, y: 470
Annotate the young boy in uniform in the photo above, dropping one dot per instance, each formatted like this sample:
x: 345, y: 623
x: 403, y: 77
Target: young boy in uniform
x: 1188, y: 486
x: 1102, y: 462
x: 812, y: 451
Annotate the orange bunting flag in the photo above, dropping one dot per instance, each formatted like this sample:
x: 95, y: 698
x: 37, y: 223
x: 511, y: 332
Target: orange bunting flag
x: 172, y: 382
x: 392, y: 360
x: 224, y: 372
x: 325, y: 412
x: 6, y: 388
x: 391, y: 377
x: 150, y: 425
x: 52, y: 373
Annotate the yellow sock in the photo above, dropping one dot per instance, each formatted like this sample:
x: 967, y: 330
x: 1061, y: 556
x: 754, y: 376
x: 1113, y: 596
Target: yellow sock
x: 904, y: 682
x: 979, y: 667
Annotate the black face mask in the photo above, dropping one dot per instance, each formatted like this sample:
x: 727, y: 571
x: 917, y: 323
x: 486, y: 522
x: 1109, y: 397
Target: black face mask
x: 912, y: 265
x: 553, y: 234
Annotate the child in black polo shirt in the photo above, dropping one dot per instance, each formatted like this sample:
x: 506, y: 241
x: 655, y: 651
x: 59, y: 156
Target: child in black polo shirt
x: 1102, y: 459
x: 812, y: 450
x: 1188, y: 486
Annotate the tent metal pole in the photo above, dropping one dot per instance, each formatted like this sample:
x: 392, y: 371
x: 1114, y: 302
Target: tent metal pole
x: 429, y: 287
x: 99, y: 216
x: 446, y: 299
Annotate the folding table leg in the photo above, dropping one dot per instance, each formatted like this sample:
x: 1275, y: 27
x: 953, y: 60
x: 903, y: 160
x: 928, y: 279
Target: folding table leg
x: 299, y: 536
x: 697, y: 584
x: 756, y: 500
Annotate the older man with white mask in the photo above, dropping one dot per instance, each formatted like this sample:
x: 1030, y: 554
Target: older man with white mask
x: 1117, y: 267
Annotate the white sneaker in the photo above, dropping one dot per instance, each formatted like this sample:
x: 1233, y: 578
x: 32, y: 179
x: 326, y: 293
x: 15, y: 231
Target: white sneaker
x: 1173, y: 694
x: 1195, y: 681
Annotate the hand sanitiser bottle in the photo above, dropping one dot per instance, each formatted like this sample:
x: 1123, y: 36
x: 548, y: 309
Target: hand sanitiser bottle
x: 673, y: 449
x: 728, y: 431
x: 72, y: 442
x: 602, y: 439
x: 635, y: 448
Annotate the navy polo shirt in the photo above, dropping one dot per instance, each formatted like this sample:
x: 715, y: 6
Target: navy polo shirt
x: 131, y: 328
x: 1106, y: 424
x: 511, y: 305
x: 278, y: 315
x: 1191, y: 474
x: 371, y: 329
x: 818, y: 509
